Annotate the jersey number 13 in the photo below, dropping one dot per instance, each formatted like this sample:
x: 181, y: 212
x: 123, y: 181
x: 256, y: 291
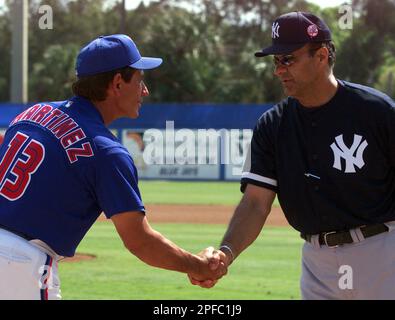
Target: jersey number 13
x: 22, y: 169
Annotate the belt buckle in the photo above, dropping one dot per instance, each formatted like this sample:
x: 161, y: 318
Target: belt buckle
x: 326, y: 240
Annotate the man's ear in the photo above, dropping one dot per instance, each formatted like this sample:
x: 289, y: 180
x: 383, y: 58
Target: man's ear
x: 323, y: 53
x: 116, y: 84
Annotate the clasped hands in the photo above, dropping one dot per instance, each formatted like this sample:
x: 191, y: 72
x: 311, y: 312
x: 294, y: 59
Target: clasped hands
x: 212, y: 265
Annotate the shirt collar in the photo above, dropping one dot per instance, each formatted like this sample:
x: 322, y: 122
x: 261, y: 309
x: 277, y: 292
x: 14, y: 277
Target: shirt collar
x: 88, y: 107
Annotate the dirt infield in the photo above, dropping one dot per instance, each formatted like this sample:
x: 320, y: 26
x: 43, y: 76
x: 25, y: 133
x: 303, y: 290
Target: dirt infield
x: 210, y: 214
x: 79, y: 257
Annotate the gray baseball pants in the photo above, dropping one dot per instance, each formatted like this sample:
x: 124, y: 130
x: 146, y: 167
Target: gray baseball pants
x: 363, y: 270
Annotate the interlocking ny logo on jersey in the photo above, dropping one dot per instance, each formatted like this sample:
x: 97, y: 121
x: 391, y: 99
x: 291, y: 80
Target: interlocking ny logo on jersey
x: 275, y: 30
x: 340, y: 150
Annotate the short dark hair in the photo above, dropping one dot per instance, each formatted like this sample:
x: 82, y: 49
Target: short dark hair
x: 95, y: 87
x: 331, y: 49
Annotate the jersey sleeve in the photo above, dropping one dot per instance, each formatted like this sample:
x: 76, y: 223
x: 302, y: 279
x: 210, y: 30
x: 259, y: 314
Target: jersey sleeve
x: 260, y: 165
x: 117, y: 183
x: 390, y: 124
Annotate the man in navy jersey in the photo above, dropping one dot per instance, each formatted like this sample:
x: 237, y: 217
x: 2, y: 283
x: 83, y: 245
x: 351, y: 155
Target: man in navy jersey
x: 60, y: 167
x: 328, y: 152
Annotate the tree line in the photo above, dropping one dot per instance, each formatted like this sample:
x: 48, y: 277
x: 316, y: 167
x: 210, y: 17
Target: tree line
x: 207, y: 46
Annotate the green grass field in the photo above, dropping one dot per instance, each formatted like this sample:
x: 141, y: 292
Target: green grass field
x: 174, y: 192
x: 268, y: 269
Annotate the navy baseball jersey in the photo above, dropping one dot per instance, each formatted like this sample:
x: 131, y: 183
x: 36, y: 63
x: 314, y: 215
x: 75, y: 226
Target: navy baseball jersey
x: 333, y: 167
x: 60, y: 167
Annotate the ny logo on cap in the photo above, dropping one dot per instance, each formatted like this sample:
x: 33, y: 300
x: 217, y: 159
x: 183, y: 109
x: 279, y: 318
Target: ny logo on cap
x: 275, y: 28
x: 340, y: 150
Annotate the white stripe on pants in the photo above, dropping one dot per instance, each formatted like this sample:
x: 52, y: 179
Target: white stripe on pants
x: 23, y: 274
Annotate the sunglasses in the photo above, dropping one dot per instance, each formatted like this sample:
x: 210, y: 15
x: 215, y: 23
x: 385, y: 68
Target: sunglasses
x: 285, y: 61
x: 289, y: 59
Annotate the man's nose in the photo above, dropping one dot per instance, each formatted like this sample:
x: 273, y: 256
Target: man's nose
x: 145, y: 91
x: 279, y: 70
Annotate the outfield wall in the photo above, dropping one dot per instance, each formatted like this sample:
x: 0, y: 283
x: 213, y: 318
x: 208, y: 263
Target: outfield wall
x: 181, y: 141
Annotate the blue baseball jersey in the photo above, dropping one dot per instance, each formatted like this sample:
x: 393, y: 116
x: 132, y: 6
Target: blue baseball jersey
x: 332, y: 167
x: 60, y: 167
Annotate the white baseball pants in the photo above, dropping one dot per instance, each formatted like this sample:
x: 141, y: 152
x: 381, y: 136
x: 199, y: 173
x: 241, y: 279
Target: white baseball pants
x: 26, y: 272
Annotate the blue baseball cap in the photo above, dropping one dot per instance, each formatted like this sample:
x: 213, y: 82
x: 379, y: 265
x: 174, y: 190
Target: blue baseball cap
x: 107, y: 53
x: 291, y: 31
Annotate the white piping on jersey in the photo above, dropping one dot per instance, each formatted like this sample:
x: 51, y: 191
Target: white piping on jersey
x: 308, y: 175
x: 256, y: 177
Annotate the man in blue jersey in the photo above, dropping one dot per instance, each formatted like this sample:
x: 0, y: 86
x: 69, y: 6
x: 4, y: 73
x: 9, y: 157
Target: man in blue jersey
x: 60, y: 167
x: 328, y: 152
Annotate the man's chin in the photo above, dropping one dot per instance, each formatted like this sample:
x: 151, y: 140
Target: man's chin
x: 286, y: 91
x: 133, y: 115
x: 289, y: 92
x: 136, y: 113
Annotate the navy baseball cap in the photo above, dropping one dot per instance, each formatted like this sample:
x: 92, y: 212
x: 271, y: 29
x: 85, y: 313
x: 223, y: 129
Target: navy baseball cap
x: 107, y: 53
x: 291, y: 31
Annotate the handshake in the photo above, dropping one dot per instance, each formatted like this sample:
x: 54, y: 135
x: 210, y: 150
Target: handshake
x: 211, y: 265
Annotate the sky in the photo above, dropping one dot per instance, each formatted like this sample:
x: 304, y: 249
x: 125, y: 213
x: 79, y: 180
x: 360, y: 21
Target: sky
x: 131, y: 4
x: 329, y: 3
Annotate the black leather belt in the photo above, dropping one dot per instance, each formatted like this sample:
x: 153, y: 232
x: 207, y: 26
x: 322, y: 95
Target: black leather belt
x: 20, y: 234
x: 337, y: 238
